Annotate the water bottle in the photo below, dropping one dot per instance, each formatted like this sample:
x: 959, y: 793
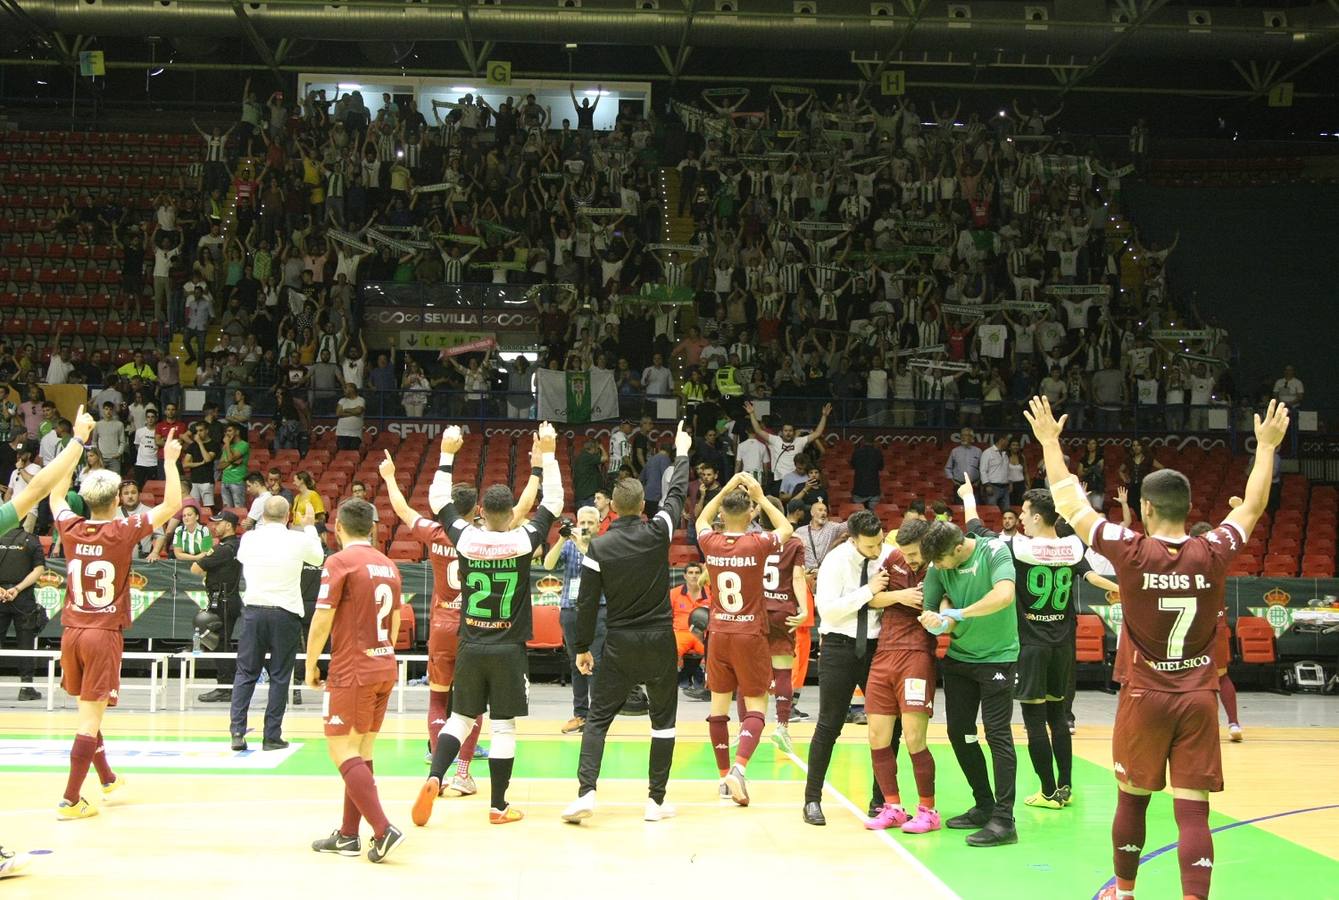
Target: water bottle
x: 195, y: 643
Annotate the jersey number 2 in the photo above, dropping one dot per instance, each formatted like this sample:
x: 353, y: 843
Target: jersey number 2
x: 385, y: 600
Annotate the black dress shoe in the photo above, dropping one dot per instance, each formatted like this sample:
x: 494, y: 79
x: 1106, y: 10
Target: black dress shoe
x: 973, y: 818
x: 238, y: 742
x: 995, y: 834
x: 297, y: 698
x: 274, y: 745
x: 29, y: 693
x: 217, y: 695
x: 813, y: 814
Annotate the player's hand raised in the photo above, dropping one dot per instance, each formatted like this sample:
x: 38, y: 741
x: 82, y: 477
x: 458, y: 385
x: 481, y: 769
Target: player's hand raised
x: 683, y: 441
x: 751, y: 485
x: 83, y: 425
x: 1273, y: 428
x: 546, y: 437
x: 1044, y: 424
x: 1123, y: 495
x: 965, y: 490
x: 452, y: 440
x: 171, y: 448
x: 536, y: 455
x: 387, y: 468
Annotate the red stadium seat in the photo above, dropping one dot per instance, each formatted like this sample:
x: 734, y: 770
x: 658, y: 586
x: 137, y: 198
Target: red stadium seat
x: 1255, y: 643
x: 411, y: 551
x: 547, y: 629
x: 1090, y: 643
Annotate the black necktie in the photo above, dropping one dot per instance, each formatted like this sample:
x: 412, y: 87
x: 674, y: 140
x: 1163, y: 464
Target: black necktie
x: 862, y: 623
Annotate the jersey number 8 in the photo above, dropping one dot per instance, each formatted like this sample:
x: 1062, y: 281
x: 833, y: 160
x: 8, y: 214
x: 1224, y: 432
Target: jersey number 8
x: 730, y: 592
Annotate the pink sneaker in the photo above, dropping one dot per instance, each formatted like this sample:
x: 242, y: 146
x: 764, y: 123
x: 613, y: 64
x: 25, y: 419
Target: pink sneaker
x: 889, y: 816
x: 925, y: 820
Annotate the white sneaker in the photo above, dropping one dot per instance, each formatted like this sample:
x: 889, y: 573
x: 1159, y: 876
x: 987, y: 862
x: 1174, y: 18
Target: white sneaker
x: 781, y: 738
x: 657, y: 811
x: 1234, y: 733
x: 14, y: 865
x: 723, y: 792
x: 580, y: 808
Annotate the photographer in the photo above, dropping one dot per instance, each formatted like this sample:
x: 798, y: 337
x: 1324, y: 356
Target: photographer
x: 223, y: 576
x: 21, y: 561
x: 570, y: 551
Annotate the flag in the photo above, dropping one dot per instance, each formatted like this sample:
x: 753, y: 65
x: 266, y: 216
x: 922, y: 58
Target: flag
x: 588, y: 396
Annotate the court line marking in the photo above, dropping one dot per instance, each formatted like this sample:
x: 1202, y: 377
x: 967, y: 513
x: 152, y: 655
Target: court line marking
x: 1228, y: 827
x: 935, y: 881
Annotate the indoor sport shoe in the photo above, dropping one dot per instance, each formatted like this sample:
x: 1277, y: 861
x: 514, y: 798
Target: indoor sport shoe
x: 580, y: 809
x: 737, y: 785
x: 28, y: 692
x: 113, y: 786
x: 422, y: 810
x: 973, y: 818
x: 1234, y: 733
x: 926, y: 820
x: 1041, y: 801
x: 505, y: 816
x: 338, y: 843
x: 781, y: 738
x: 1111, y: 892
x: 382, y: 846
x: 995, y: 834
x: 890, y: 816
x: 12, y: 864
x: 575, y: 725
x: 657, y: 811
x: 723, y: 791
x: 81, y: 810
x: 1066, y: 794
x: 463, y: 786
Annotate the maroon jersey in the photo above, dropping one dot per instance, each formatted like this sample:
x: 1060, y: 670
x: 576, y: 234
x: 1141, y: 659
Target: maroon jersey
x: 777, y: 584
x: 445, y: 574
x: 1171, y: 594
x: 900, y: 626
x: 735, y: 564
x: 362, y: 586
x: 97, y: 568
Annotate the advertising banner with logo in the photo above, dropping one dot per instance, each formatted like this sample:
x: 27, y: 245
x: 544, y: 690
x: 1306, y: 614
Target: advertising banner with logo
x: 430, y: 316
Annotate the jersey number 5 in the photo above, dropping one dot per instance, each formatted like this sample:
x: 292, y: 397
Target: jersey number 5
x: 771, y: 573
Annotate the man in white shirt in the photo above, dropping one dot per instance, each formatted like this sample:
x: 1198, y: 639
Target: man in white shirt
x: 656, y: 379
x: 850, y: 576
x: 995, y: 472
x: 1289, y: 389
x: 272, y: 557
x: 109, y: 436
x: 782, y: 448
x: 1201, y: 395
x: 59, y: 369
x: 620, y: 446
x: 54, y: 441
x: 752, y: 458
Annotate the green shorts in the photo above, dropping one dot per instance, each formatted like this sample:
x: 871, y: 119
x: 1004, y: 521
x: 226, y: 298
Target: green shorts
x: 9, y: 519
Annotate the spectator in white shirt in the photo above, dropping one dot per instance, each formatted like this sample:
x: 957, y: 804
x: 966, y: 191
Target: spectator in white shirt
x: 656, y: 379
x: 1289, y: 389
x: 784, y: 447
x: 54, y: 441
x: 109, y: 436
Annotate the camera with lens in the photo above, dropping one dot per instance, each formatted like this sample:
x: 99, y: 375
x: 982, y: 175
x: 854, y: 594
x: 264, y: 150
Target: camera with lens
x: 565, y: 528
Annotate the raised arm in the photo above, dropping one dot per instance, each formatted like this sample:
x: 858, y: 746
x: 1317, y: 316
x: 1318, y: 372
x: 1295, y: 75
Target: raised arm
x: 781, y: 526
x: 709, y: 512
x: 54, y: 479
x: 164, y: 511
x: 1070, y: 500
x: 1269, y: 433
x: 407, y: 514
x: 439, y: 493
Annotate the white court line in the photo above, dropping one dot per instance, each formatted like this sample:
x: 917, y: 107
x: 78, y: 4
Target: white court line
x: 132, y: 806
x: 936, y: 882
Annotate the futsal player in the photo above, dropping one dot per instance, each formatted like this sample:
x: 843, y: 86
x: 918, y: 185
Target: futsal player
x: 444, y: 620
x: 358, y: 609
x: 738, y: 655
x: 1046, y: 566
x: 1222, y: 650
x: 491, y: 666
x: 786, y: 591
x: 98, y: 552
x: 900, y: 687
x: 1171, y: 588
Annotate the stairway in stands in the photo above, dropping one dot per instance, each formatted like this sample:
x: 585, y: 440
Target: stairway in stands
x: 676, y: 229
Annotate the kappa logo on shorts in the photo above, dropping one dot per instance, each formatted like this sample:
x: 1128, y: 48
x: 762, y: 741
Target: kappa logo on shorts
x: 999, y: 676
x: 1118, y: 769
x: 334, y: 720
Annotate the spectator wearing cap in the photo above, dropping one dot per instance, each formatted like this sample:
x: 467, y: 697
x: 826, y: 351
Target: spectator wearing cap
x: 223, y: 579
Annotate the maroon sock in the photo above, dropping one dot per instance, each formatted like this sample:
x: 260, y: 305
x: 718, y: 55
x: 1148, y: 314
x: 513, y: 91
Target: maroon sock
x: 437, y: 704
x: 782, y: 687
x: 1227, y: 692
x: 1194, y: 846
x: 105, y: 773
x: 467, y: 747
x: 718, y: 729
x: 750, y: 732
x: 1127, y: 836
x: 740, y: 708
x: 885, y: 772
x: 360, y: 787
x: 81, y: 756
x: 349, y: 827
x: 924, y: 765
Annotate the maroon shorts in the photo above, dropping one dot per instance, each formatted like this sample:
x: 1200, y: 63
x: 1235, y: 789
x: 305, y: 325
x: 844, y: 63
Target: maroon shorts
x: 738, y: 661
x: 780, y: 637
x: 90, y: 663
x: 442, y: 644
x: 1222, y: 649
x: 901, y: 681
x: 1158, y: 729
x: 357, y: 707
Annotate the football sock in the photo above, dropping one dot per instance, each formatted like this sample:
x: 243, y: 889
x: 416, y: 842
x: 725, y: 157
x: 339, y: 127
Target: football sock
x: 924, y: 765
x: 467, y: 747
x: 782, y: 681
x: 445, y: 751
x: 1227, y: 692
x: 81, y: 756
x: 750, y: 732
x: 1127, y: 836
x: 105, y: 773
x: 1039, y: 745
x: 438, y: 703
x: 1062, y: 742
x: 718, y: 729
x: 1194, y: 846
x: 885, y: 770
x: 349, y: 827
x: 499, y: 778
x: 360, y: 786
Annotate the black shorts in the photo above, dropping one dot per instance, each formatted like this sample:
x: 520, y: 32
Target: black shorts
x: 1043, y: 671
x: 492, y: 678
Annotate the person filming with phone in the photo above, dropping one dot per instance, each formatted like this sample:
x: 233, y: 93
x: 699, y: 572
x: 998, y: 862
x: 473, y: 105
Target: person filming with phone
x: 568, y: 552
